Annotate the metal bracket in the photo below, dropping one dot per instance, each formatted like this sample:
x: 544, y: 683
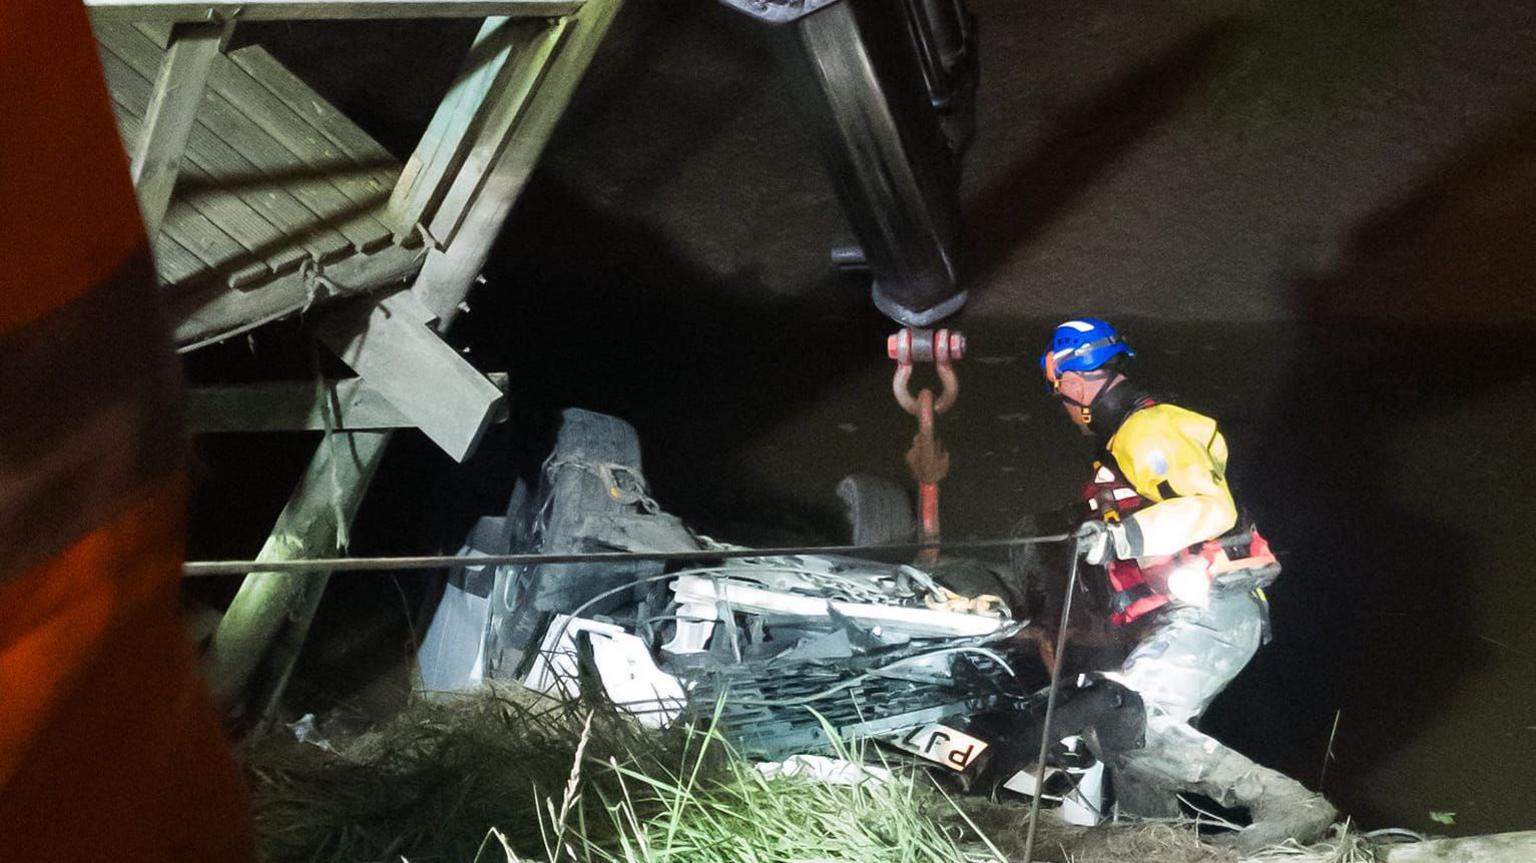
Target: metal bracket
x: 916, y: 317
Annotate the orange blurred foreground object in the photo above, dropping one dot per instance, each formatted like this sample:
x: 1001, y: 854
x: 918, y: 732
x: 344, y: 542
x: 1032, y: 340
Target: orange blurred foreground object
x: 109, y: 744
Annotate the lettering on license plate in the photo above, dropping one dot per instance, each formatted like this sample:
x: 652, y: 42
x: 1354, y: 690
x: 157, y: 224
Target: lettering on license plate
x: 942, y: 745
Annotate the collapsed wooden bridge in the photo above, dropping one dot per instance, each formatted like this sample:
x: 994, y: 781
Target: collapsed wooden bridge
x: 263, y: 200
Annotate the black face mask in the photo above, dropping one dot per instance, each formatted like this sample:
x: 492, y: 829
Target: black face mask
x: 1113, y: 404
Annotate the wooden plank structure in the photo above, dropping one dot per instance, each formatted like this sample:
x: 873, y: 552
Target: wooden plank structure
x: 262, y: 192
x: 390, y: 343
x: 349, y: 404
x: 169, y: 116
x: 264, y: 201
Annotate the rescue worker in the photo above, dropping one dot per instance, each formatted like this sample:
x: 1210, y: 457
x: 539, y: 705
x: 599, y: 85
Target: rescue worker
x: 1186, y: 580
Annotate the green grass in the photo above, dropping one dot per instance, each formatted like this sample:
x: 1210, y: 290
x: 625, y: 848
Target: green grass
x: 503, y: 775
x: 739, y: 815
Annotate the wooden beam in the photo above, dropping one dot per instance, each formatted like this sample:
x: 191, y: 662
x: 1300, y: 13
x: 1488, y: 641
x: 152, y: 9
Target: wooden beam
x: 389, y: 341
x: 319, y: 511
x: 494, y: 131
x: 173, y: 104
x: 277, y: 406
x: 264, y: 694
x: 319, y: 10
x: 448, y: 273
x: 200, y: 318
x: 446, y: 141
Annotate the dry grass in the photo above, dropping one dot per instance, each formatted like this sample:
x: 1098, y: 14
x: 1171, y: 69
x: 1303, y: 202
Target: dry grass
x: 1145, y: 842
x: 430, y: 784
x: 1007, y: 823
x: 1343, y: 846
x: 506, y: 775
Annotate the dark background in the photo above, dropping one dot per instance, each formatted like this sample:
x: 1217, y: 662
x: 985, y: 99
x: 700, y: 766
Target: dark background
x: 1314, y: 220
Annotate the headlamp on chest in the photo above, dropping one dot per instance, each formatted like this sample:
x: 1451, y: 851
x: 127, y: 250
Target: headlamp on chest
x: 1190, y: 583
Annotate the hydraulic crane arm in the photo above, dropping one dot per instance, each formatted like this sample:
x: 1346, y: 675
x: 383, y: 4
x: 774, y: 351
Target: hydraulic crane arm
x: 887, y: 87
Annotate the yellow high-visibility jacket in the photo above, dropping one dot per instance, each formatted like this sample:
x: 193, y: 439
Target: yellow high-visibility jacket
x: 1177, y: 460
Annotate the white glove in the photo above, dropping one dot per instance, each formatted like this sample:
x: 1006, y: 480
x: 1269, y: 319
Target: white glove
x: 1098, y: 541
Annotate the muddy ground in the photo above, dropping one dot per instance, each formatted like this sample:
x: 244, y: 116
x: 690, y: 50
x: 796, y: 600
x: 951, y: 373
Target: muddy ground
x: 1313, y: 219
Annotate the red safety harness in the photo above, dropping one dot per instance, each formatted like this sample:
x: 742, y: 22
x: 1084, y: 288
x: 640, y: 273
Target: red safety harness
x: 1239, y: 557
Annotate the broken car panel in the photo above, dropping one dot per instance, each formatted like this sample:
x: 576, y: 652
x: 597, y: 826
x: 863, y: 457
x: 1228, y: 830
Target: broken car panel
x: 778, y: 651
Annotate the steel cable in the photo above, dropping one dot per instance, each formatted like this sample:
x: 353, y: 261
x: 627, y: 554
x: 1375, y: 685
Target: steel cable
x: 1050, y: 709
x: 200, y: 568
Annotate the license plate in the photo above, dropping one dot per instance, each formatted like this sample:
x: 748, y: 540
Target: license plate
x: 942, y: 745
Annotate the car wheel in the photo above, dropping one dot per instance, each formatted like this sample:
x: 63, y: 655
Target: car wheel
x: 877, y: 510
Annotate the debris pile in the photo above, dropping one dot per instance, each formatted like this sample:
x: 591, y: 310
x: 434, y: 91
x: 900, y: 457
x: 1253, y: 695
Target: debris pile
x: 487, y: 776
x: 504, y: 774
x: 783, y: 655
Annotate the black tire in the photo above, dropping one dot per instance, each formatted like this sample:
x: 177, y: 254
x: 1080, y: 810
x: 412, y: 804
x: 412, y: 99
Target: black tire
x: 877, y: 510
x: 592, y: 497
x: 591, y: 436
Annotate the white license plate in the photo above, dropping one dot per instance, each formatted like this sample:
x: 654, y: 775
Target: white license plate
x: 942, y: 745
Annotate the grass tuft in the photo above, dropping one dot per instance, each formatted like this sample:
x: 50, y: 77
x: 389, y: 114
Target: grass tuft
x: 743, y: 816
x: 431, y: 783
x: 505, y: 775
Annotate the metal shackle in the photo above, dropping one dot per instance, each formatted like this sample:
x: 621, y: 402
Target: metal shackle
x: 940, y: 347
x: 925, y: 346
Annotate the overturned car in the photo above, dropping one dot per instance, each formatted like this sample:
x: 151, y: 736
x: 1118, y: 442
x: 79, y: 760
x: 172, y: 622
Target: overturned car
x: 780, y: 653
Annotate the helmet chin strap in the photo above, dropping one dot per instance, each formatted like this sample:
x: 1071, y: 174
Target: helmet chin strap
x: 1085, y: 409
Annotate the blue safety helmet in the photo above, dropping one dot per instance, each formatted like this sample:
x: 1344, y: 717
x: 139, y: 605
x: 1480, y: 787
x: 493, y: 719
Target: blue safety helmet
x: 1082, y: 345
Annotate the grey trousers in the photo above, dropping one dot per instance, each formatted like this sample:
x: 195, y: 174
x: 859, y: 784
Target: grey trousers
x: 1178, y: 670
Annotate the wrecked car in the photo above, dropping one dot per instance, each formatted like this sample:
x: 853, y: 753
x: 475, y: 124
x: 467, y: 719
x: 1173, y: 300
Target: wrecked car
x: 782, y: 653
